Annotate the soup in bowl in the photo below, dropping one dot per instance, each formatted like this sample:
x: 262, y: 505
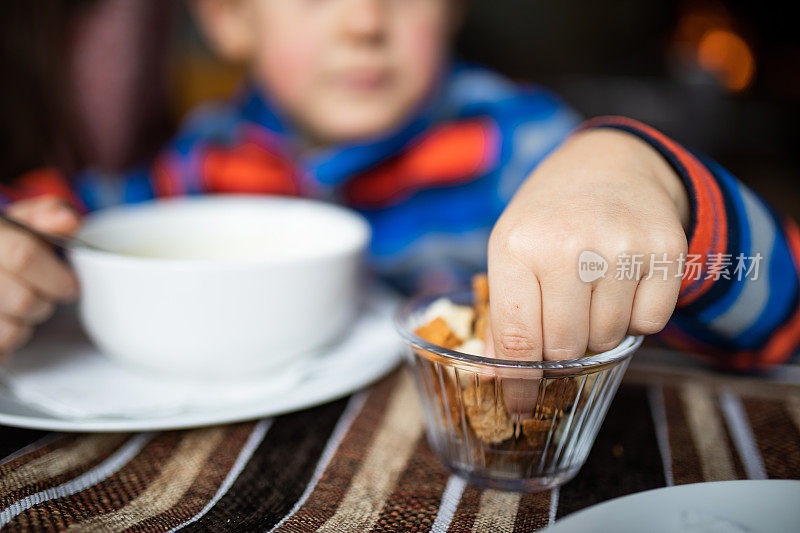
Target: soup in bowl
x: 219, y: 285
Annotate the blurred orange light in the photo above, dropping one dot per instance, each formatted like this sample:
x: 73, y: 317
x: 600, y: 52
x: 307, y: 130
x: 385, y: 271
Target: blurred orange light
x: 693, y: 25
x: 725, y: 54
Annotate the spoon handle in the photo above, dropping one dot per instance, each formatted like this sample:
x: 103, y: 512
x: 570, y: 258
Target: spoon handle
x: 56, y: 240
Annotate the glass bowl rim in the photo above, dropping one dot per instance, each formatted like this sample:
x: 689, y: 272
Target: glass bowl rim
x: 622, y: 351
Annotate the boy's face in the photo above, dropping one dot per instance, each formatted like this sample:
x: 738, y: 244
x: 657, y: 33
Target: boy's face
x: 342, y: 69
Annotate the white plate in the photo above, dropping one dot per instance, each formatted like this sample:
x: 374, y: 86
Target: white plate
x: 370, y: 350
x: 725, y: 506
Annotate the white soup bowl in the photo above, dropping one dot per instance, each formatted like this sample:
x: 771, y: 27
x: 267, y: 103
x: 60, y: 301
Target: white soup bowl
x: 219, y: 285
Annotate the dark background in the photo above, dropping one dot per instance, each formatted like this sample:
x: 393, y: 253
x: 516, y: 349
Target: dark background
x: 640, y: 59
x: 681, y: 67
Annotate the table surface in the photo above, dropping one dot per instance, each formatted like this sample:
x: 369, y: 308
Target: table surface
x: 362, y: 463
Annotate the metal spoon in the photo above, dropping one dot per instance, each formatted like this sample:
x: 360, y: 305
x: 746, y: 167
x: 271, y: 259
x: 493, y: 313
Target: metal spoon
x: 60, y: 241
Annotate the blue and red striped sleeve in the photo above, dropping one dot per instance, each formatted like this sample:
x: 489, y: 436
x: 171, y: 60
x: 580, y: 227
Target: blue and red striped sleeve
x: 733, y: 321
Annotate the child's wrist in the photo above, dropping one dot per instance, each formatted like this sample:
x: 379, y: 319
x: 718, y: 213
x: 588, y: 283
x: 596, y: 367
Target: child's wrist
x: 672, y: 183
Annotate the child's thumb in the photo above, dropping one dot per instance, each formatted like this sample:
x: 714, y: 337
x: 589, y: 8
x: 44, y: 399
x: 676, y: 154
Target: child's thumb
x: 62, y: 221
x: 50, y: 215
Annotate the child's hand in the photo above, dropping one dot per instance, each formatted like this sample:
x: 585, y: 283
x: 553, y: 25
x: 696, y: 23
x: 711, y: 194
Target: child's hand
x: 604, y: 191
x: 32, y: 278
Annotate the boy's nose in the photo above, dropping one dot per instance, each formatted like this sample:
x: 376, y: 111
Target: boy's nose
x: 365, y: 19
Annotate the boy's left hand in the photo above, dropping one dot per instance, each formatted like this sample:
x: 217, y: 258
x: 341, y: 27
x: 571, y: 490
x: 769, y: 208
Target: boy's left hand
x: 606, y: 191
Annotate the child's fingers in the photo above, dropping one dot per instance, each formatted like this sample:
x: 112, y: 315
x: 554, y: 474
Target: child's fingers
x: 653, y: 304
x: 658, y: 289
x: 515, y: 309
x: 12, y: 335
x: 519, y: 395
x: 20, y: 302
x: 34, y: 263
x: 489, y: 339
x: 565, y: 316
x: 515, y: 325
x: 47, y: 213
x: 610, y: 313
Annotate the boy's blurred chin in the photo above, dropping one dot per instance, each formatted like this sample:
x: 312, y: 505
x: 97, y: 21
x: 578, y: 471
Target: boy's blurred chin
x: 348, y: 116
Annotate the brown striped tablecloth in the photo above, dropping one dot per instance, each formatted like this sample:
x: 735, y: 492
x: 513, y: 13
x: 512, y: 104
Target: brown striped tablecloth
x: 362, y: 464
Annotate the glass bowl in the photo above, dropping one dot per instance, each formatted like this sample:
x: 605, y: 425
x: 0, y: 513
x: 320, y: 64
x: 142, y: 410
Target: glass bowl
x: 543, y: 440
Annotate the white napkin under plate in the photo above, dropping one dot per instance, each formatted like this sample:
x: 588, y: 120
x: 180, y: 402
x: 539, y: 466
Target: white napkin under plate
x: 62, y: 373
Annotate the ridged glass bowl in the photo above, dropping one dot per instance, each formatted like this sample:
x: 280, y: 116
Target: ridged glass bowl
x: 556, y: 407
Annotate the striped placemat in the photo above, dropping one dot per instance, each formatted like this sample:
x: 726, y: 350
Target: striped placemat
x: 362, y: 464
